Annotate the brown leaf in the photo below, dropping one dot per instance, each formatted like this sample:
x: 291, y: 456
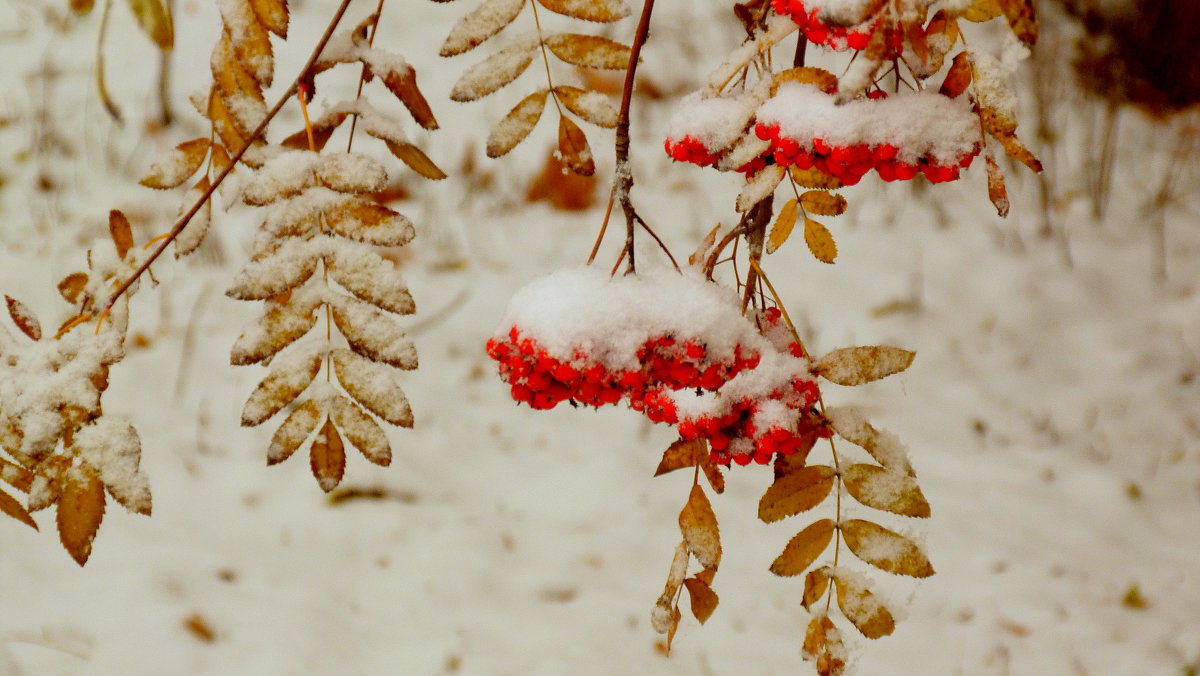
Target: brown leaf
x: 154, y: 20
x: 682, y: 453
x: 589, y: 51
x: 281, y: 325
x: 814, y: 178
x: 1021, y: 19
x: 113, y: 450
x: 327, y: 457
x: 361, y: 431
x: 290, y: 374
x: 888, y: 490
x: 373, y: 386
x: 273, y: 14
x: 601, y: 11
x: 178, y: 165
x: 758, y: 187
x: 250, y: 40
x: 15, y: 475
x: 494, y: 72
x: 122, y: 235
x: 823, y: 203
x: 861, y: 607
x: 232, y: 137
x: 958, y: 77
x: 782, y: 228
x: 481, y: 23
x: 13, y: 507
x: 516, y: 125
x: 859, y: 365
x: 885, y: 549
x: 573, y: 148
x: 699, y: 526
x: 294, y: 431
x: 80, y: 511
x: 997, y: 193
x: 416, y: 160
x: 820, y: 241
x: 1017, y: 150
x: 402, y: 83
x: 322, y: 130
x: 823, y: 645
x: 82, y: 7
x: 236, y: 84
x: 72, y: 285
x: 703, y: 598
x: 712, y: 471
x: 850, y: 424
x: 370, y: 223
x: 797, y: 492
x: 803, y: 549
x: 823, y: 79
x: 816, y: 583
x: 590, y: 106
x: 23, y: 318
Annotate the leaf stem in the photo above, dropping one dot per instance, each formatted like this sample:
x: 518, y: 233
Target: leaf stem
x: 623, y: 178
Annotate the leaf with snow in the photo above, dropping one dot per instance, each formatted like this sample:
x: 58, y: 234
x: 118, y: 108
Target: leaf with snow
x: 273, y: 14
x: 481, y: 23
x: 80, y: 511
x: 858, y: 365
x: 516, y: 125
x: 861, y: 607
x: 797, y: 492
x: 233, y: 137
x: 816, y: 583
x: 590, y: 106
x: 285, y: 268
x: 361, y: 430
x: 72, y: 285
x: 400, y: 78
x: 154, y: 20
x: 281, y: 325
x: 997, y: 193
x: 291, y: 372
x: 600, y: 11
x: 885, y: 447
x: 327, y: 457
x: 13, y: 508
x: 240, y: 93
x: 23, y: 318
x: 759, y: 187
x: 979, y: 11
x: 573, y: 148
x: 823, y: 79
x: 496, y: 71
x: 699, y: 526
x: 373, y: 333
x: 373, y: 386
x: 823, y: 645
x: 194, y: 233
x: 803, y: 549
x: 702, y: 598
x: 1021, y: 19
x: 370, y: 277
x: 885, y: 549
x: 294, y: 431
x: 589, y: 51
x: 781, y: 229
x: 350, y: 172
x: 888, y: 490
x: 250, y: 39
x: 178, y: 165
x: 370, y: 223
x: 114, y: 450
x: 823, y: 203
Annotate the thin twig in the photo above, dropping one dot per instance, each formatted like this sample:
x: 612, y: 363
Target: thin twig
x: 362, y: 74
x: 623, y: 180
x: 102, y: 89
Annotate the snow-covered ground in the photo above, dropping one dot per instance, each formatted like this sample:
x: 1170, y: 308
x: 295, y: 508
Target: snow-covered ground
x: 1051, y: 412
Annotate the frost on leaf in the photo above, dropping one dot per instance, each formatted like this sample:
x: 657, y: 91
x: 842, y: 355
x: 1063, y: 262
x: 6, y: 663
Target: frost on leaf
x: 797, y: 492
x: 80, y: 511
x: 861, y: 607
x: 23, y: 318
x: 361, y: 430
x: 327, y: 457
x: 603, y: 11
x: 885, y: 549
x: 823, y: 645
x: 290, y: 374
x: 803, y: 549
x: 250, y: 39
x: 286, y: 268
x: 859, y: 365
x: 114, y: 450
x: 178, y: 165
x: 370, y: 277
x: 481, y: 23
x: 374, y: 334
x: 590, y: 106
x: 373, y: 386
x: 294, y: 431
x: 370, y: 223
x: 516, y: 125
x: 280, y: 326
x: 589, y: 51
x: 885, y: 447
x: 273, y: 14
x: 573, y: 148
x: 495, y: 72
x: 699, y: 526
x: 884, y: 489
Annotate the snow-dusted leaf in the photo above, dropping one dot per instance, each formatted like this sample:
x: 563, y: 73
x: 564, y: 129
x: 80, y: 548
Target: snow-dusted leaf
x: 682, y: 453
x: 294, y: 431
x: 703, y: 599
x: 824, y: 647
x: 281, y: 325
x: 80, y: 511
x: 23, y: 318
x: 401, y: 80
x: 885, y: 549
x: 122, y: 234
x: 745, y: 150
x: 997, y: 193
x: 958, y: 77
x: 573, y: 148
x: 861, y: 607
x: 678, y: 571
x: 178, y: 165
x: 416, y: 159
x: 322, y: 130
x: 590, y: 106
x: 373, y: 386
x: 516, y: 125
x: 350, y: 172
x: 889, y: 490
x: 361, y: 430
x: 155, y: 21
x: 373, y: 333
x: 273, y: 14
x: 481, y: 23
x: 823, y: 203
x: 13, y: 508
x: 112, y: 447
x: 250, y: 39
x: 15, y: 475
x: 43, y: 492
x: 823, y: 79
x: 797, y: 492
x: 782, y: 228
x: 589, y: 51
x: 820, y: 241
x: 327, y: 457
x: 72, y: 285
x: 759, y: 187
x: 495, y: 71
x: 814, y: 178
x: 885, y: 447
x: 285, y: 268
x: 601, y: 11
x: 370, y: 223
x: 699, y: 526
x: 290, y: 374
x: 233, y: 137
x: 803, y: 549
x: 197, y: 228
x: 369, y: 276
x: 816, y: 583
x: 859, y: 365
x: 241, y: 93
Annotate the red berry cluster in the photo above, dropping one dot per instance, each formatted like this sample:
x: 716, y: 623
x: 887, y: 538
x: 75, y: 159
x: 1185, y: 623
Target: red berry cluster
x: 835, y: 37
x: 691, y: 149
x: 850, y: 163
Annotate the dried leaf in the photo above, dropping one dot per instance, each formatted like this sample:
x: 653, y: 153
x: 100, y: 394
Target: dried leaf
x: 370, y: 223
x: 820, y: 241
x: 678, y: 571
x: 850, y: 424
x: 294, y: 431
x: 885, y: 549
x: 816, y: 583
x: 682, y: 453
x: 327, y: 457
x: 803, y: 549
x: 197, y: 228
x: 495, y: 71
x: 861, y: 607
x: 981, y: 10
x: 372, y: 278
x: 601, y: 11
x: 178, y: 165
x: 797, y: 492
x: 997, y: 193
x: 416, y: 159
x: 891, y: 491
x: 814, y: 178
x: 72, y: 285
x: 232, y: 136
x: 823, y: 645
x: 154, y: 20
x: 592, y: 107
x: 281, y: 325
x: 589, y: 51
x: 284, y: 269
x: 759, y: 186
x: 241, y: 93
x: 823, y: 79
x: 114, y: 450
x: 290, y: 374
x: 823, y: 203
x: 516, y: 125
x: 958, y: 77
x: 122, y: 235
x: 373, y: 333
x: 703, y: 598
x: 13, y: 507
x: 23, y: 318
x: 273, y: 14
x: 573, y: 148
x: 322, y: 131
x: 1017, y: 150
x: 250, y: 40
x: 859, y: 365
x: 481, y: 23
x: 80, y: 511
x: 373, y: 386
x: 705, y: 246
x: 699, y: 526
x: 15, y: 475
x: 1020, y: 15
x: 402, y: 83
x: 782, y: 228
x: 361, y: 431
x: 712, y: 471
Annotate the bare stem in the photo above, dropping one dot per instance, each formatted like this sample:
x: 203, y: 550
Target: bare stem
x: 623, y: 181
x: 756, y: 234
x: 362, y: 74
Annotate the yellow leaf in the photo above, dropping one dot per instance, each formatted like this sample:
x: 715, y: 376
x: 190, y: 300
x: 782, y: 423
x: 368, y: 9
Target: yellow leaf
x: 703, y: 598
x: 982, y: 10
x: 823, y: 645
x: 862, y: 608
x: 823, y: 203
x: 402, y: 83
x: 516, y: 125
x: 153, y: 18
x: 891, y: 491
x: 816, y: 583
x: 858, y: 365
x: 803, y: 549
x: 797, y: 492
x: 699, y: 526
x: 820, y: 241
x: 681, y: 454
x: 178, y: 165
x: 602, y: 11
x: 782, y: 228
x: 416, y: 160
x: 573, y: 148
x: 122, y: 235
x: 814, y: 178
x: 885, y: 549
x: 481, y: 23
x: 592, y: 107
x: 273, y: 14
x: 1021, y: 20
x: 80, y: 511
x: 327, y: 457
x: 589, y: 51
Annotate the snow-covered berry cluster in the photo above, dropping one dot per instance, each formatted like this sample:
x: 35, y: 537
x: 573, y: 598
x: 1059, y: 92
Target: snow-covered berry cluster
x: 810, y: 17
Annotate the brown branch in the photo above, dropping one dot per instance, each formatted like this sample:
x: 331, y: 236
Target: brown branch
x: 624, y: 173
x: 216, y: 182
x: 756, y: 235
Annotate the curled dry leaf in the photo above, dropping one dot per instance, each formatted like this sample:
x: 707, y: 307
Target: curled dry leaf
x: 495, y: 71
x: 290, y: 374
x: 803, y: 549
x: 785, y: 222
x: 361, y: 430
x: 592, y: 107
x: 759, y: 187
x: 516, y: 125
x: 154, y: 20
x: 573, y: 148
x: 80, y: 511
x: 699, y: 526
x: 327, y: 457
x: 374, y: 334
x: 602, y: 11
x: 23, y: 318
x: 371, y: 277
x: 373, y: 386
x: 281, y: 325
x: 823, y: 203
x: 122, y: 234
x: 820, y: 241
x: 816, y: 583
x: 823, y: 79
x: 589, y: 51
x: 797, y: 492
x: 294, y: 431
x: 402, y: 83
x: 682, y: 453
x: 859, y: 365
x: 861, y: 607
x: 72, y: 285
x: 888, y: 490
x: 481, y: 23
x: 958, y: 77
x: 885, y: 549
x: 703, y: 599
x: 178, y: 165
